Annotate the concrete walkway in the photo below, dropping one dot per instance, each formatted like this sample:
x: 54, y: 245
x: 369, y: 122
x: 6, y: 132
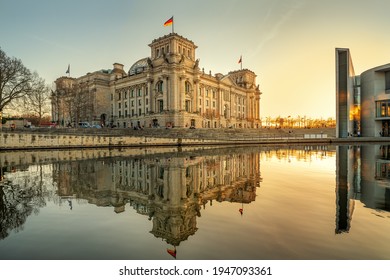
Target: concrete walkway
x: 55, y: 138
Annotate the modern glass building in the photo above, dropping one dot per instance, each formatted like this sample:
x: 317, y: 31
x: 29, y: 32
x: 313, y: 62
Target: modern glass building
x: 362, y: 101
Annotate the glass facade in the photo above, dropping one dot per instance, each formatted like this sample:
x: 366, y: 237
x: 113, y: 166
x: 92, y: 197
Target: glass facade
x: 383, y: 109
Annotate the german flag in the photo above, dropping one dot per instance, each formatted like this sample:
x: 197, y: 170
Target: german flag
x: 172, y: 252
x: 169, y: 22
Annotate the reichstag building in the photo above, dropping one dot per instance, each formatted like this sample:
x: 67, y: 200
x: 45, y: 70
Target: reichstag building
x: 167, y: 89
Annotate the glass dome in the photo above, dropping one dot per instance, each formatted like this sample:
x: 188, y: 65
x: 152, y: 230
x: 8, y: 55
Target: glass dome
x: 139, y: 67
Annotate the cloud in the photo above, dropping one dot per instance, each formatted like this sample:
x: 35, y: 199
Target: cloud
x: 276, y: 16
x: 52, y: 44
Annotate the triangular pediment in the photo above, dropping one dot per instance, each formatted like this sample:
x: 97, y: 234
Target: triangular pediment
x: 228, y: 80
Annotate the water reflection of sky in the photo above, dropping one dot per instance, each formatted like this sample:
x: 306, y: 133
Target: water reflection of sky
x: 241, y: 203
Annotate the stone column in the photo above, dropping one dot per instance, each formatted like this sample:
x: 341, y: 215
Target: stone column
x: 195, y: 97
x: 173, y: 95
x: 165, y: 92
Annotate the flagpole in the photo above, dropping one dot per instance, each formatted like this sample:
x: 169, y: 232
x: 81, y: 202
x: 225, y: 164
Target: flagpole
x: 173, y: 24
x: 241, y: 62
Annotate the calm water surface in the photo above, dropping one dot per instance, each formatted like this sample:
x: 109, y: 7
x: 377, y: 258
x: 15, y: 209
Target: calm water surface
x: 292, y: 202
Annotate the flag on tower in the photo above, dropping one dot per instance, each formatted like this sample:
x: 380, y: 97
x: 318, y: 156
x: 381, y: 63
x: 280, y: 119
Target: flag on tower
x: 172, y: 252
x: 68, y: 71
x: 169, y: 22
x: 239, y: 61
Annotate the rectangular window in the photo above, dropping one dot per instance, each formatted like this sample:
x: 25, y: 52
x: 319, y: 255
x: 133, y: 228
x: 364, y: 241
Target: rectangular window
x: 388, y: 109
x: 119, y: 105
x: 161, y: 105
x: 139, y: 92
x: 139, y: 112
x: 139, y: 102
x: 383, y: 109
x: 387, y: 78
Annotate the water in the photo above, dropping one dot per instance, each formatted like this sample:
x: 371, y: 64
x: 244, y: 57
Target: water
x: 282, y: 203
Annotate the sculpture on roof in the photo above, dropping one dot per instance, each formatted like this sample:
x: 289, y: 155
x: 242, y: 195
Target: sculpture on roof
x: 181, y: 59
x: 150, y: 64
x: 196, y: 65
x: 165, y: 58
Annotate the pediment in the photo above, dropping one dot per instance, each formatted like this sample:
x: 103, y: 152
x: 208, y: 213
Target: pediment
x: 227, y: 80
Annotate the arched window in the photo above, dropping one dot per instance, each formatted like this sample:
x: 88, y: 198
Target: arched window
x: 159, y: 86
x: 187, y: 87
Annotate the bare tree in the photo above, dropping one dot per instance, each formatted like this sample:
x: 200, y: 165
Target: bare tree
x: 15, y: 80
x: 72, y: 102
x: 83, y: 105
x: 37, y: 102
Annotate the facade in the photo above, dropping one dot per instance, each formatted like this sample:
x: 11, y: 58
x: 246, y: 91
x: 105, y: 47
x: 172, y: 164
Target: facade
x: 362, y: 101
x: 83, y: 99
x: 167, y: 89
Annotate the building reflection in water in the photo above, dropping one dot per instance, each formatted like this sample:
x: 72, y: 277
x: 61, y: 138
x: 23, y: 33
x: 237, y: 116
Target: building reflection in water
x: 363, y: 173
x: 170, y: 190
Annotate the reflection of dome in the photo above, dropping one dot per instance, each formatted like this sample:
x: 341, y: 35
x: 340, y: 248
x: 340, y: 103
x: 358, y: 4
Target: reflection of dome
x: 139, y: 67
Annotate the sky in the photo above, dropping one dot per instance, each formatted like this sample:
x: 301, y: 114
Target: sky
x: 289, y: 44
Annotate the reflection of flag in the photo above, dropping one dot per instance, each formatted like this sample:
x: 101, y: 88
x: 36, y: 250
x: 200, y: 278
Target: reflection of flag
x: 169, y: 22
x: 172, y: 252
x: 68, y: 71
x: 241, y: 211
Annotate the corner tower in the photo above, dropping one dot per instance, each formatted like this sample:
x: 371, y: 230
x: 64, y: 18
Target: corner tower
x: 172, y: 48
